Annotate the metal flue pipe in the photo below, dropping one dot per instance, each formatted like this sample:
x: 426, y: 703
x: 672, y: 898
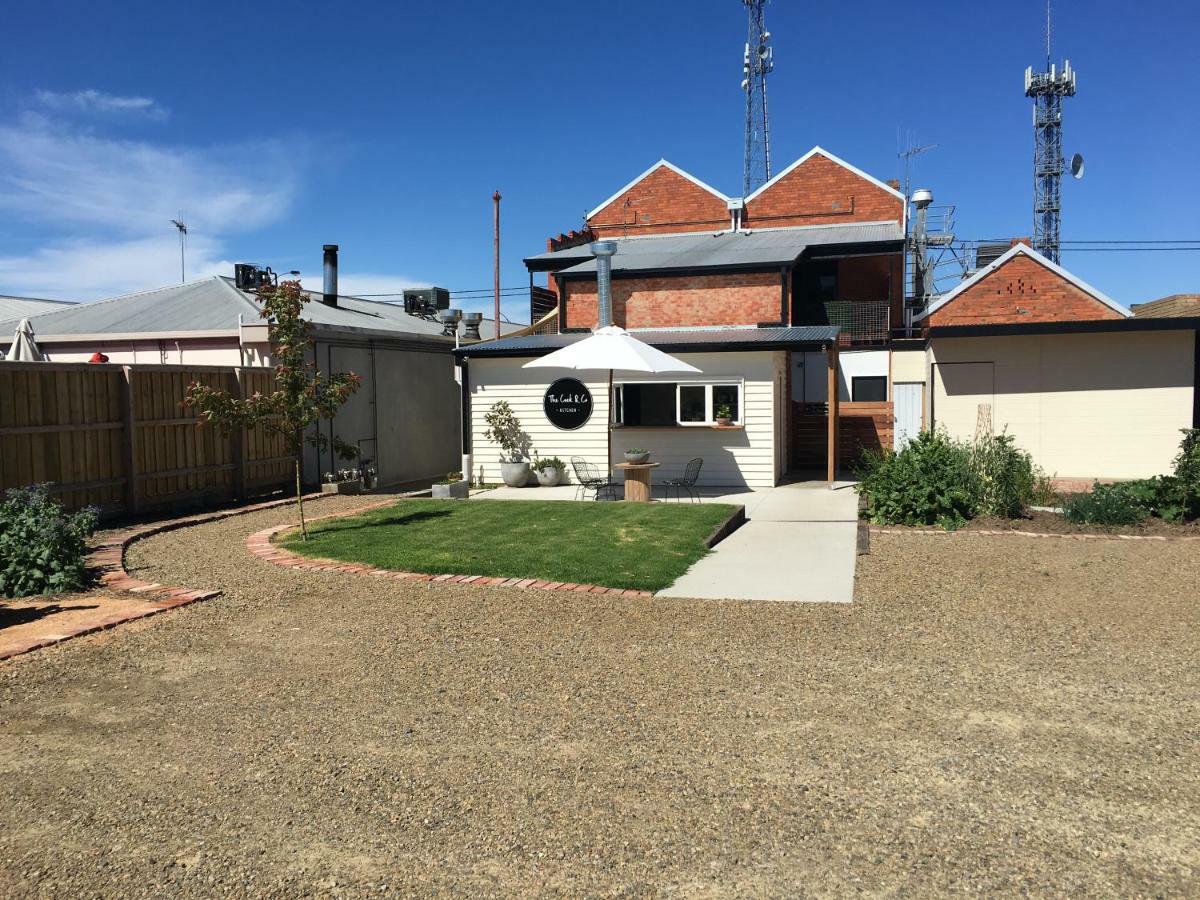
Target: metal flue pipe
x: 329, y: 295
x: 603, y: 251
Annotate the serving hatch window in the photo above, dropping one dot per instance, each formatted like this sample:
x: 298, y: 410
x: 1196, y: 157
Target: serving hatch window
x: 688, y: 403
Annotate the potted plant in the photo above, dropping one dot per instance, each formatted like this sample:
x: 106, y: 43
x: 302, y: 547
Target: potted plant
x: 452, y: 487
x: 724, y: 414
x: 343, y: 481
x: 549, y: 471
x: 637, y: 455
x: 504, y: 428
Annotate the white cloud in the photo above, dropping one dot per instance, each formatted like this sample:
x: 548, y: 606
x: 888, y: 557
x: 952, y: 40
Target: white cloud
x: 92, y: 269
x: 102, y: 206
x: 98, y: 102
x: 55, y: 174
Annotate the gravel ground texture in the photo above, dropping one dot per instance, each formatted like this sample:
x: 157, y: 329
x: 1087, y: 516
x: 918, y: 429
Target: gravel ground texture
x: 989, y: 716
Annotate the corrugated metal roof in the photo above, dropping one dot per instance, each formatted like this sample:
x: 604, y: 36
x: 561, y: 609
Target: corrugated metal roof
x: 214, y: 304
x: 767, y: 247
x: 678, y: 340
x: 18, y: 308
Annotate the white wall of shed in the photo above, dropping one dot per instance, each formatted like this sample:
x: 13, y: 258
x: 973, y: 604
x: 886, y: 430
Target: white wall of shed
x: 810, y: 377
x: 741, y: 457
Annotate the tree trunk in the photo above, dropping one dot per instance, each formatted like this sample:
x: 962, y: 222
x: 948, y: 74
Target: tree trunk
x: 300, y: 503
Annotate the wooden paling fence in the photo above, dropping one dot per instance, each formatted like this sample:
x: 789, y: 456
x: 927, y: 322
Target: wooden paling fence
x: 119, y: 438
x: 862, y: 426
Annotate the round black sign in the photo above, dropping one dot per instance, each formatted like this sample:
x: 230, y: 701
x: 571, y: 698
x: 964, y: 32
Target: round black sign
x: 568, y: 404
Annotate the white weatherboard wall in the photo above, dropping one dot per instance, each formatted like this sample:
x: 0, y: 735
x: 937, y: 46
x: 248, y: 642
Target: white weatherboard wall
x: 1105, y: 405
x: 745, y: 456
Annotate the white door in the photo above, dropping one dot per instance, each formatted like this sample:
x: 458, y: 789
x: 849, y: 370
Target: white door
x: 907, y: 400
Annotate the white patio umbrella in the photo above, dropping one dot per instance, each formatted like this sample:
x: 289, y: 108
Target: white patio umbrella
x: 24, y: 349
x: 609, y: 347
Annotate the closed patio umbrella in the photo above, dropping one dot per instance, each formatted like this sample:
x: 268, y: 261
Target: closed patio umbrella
x: 24, y: 349
x: 610, y: 347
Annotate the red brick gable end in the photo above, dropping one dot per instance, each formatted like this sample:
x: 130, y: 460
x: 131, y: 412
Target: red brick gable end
x: 1021, y: 286
x: 662, y: 201
x: 819, y: 189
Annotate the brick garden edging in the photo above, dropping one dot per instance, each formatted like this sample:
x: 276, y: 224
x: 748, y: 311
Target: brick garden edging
x: 259, y: 544
x: 107, y: 558
x: 1038, y: 534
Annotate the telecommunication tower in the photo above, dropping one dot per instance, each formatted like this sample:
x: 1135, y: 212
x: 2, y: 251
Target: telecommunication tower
x: 757, y: 63
x: 1048, y: 89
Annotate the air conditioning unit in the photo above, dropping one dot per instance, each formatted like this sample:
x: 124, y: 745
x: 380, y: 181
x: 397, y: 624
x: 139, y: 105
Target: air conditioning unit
x: 249, y: 277
x: 426, y: 301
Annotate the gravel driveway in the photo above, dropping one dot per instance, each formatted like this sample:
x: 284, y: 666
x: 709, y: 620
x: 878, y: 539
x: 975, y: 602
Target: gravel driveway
x: 992, y: 714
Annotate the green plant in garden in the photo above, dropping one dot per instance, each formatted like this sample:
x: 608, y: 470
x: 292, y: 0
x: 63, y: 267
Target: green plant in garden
x: 1124, y: 503
x: 929, y: 482
x: 302, y: 396
x: 504, y: 429
x: 43, y: 547
x: 1005, y: 477
x: 548, y: 462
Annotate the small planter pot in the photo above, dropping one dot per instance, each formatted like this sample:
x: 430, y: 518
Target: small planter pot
x: 515, y: 474
x: 636, y: 458
x: 455, y: 490
x: 341, y: 487
x: 724, y: 423
x: 549, y: 476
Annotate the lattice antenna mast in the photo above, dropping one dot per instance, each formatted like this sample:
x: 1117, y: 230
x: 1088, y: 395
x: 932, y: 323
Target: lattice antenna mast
x: 182, y: 228
x: 1048, y: 89
x: 757, y: 63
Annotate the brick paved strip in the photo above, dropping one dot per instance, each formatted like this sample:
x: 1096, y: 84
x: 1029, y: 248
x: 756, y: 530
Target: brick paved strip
x: 261, y: 544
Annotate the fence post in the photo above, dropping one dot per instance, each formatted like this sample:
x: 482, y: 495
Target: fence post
x: 239, y: 441
x: 129, y: 441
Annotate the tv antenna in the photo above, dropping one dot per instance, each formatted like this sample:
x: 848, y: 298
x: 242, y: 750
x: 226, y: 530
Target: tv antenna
x: 182, y: 227
x: 757, y: 62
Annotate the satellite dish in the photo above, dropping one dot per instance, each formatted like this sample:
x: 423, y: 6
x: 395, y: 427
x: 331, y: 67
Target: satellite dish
x: 1077, y: 166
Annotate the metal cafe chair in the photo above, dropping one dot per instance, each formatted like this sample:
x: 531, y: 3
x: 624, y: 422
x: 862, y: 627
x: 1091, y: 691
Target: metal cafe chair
x: 691, y: 474
x: 591, y: 478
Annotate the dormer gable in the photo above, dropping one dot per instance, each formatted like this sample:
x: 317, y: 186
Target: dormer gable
x: 662, y: 200
x: 821, y: 189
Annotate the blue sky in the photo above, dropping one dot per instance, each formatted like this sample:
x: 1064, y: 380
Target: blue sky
x: 385, y: 127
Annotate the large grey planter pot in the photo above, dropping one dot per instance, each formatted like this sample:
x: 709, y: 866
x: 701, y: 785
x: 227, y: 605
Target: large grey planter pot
x: 341, y: 487
x: 515, y: 474
x: 636, y: 459
x: 455, y: 490
x: 549, y: 476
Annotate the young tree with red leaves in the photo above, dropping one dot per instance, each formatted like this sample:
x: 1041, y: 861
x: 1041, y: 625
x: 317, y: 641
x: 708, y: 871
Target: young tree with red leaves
x: 302, y: 396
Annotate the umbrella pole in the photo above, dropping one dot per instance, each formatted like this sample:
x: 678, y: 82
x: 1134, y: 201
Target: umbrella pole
x: 608, y: 450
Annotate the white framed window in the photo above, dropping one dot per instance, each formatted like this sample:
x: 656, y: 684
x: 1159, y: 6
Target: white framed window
x: 686, y: 403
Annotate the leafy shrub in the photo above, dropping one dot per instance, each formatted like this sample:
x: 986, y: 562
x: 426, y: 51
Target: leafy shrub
x: 504, y: 428
x: 929, y: 482
x: 1187, y: 463
x: 1005, y: 477
x: 1124, y: 503
x: 42, y: 546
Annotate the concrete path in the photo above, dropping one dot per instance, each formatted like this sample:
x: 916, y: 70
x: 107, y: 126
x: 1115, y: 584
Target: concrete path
x: 799, y: 544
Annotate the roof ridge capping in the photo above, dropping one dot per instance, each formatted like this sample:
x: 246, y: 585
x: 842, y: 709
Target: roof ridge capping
x: 819, y: 150
x: 662, y: 163
x: 1025, y: 250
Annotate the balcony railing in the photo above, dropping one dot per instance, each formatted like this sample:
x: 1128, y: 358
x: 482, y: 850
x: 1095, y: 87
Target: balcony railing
x: 859, y: 321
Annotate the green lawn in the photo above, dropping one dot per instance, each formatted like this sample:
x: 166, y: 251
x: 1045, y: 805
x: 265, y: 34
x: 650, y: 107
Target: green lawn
x: 622, y: 545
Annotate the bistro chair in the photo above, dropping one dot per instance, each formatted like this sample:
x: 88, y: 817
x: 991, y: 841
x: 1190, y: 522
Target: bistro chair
x: 590, y: 478
x: 691, y: 474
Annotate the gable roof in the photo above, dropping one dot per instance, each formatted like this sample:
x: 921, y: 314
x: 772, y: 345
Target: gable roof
x: 820, y: 151
x: 17, y: 308
x: 661, y: 164
x: 1022, y: 250
x: 214, y: 305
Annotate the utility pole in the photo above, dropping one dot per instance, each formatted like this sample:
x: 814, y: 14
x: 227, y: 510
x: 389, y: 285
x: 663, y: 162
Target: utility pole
x: 182, y: 227
x: 496, y: 255
x: 757, y: 62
